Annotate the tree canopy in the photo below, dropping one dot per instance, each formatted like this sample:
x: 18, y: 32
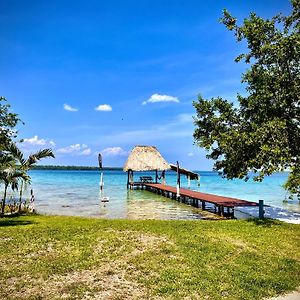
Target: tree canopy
x: 261, y: 131
x: 8, y: 121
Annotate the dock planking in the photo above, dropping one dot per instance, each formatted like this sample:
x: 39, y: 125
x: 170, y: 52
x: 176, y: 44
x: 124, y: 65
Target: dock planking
x: 219, y: 202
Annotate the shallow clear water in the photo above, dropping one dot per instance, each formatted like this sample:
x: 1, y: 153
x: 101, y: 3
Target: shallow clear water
x: 77, y: 193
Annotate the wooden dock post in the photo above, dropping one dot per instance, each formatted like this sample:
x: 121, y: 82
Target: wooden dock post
x: 228, y: 211
x: 221, y: 210
x: 261, y: 211
x: 130, y: 179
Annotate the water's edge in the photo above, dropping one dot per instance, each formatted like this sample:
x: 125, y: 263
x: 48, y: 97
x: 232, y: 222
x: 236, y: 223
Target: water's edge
x: 76, y: 192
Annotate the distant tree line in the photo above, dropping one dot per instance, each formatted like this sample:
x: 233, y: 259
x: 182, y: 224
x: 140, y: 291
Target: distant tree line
x: 76, y: 168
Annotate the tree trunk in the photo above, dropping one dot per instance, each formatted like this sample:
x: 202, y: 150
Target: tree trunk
x: 4, y: 198
x: 21, y: 194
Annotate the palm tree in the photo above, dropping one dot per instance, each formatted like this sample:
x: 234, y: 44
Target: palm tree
x: 8, y: 173
x: 26, y: 164
x: 10, y: 176
x: 32, y: 159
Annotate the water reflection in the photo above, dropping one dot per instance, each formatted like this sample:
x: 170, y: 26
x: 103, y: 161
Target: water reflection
x: 122, y: 204
x: 146, y: 205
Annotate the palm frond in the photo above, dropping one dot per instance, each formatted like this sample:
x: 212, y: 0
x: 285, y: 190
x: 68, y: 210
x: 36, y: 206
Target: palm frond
x: 21, y: 175
x: 11, y: 174
x: 7, y: 172
x: 14, y: 184
x: 33, y: 158
x: 16, y: 153
x: 7, y: 161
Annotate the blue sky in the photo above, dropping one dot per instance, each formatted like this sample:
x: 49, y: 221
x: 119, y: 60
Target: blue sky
x: 104, y: 76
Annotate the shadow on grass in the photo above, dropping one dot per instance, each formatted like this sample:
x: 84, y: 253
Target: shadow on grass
x: 12, y: 220
x: 264, y: 222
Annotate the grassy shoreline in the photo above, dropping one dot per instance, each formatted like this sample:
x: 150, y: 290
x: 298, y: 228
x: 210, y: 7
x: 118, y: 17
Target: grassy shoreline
x: 52, y: 257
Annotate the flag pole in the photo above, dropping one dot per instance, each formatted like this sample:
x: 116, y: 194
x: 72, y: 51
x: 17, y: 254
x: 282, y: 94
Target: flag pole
x: 103, y: 199
x: 101, y: 172
x: 178, y: 181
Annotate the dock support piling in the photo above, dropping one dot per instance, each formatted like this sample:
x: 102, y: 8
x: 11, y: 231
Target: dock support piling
x: 261, y: 209
x: 221, y: 210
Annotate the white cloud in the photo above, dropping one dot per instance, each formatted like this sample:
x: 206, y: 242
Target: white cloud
x: 87, y: 151
x: 190, y: 154
x: 103, y: 107
x: 114, y: 151
x: 33, y: 144
x: 75, y: 149
x: 70, y: 108
x: 69, y: 149
x: 161, y: 98
x: 35, y: 141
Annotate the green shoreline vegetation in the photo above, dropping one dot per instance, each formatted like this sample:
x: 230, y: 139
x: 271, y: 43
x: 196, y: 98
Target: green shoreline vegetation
x: 76, y: 168
x: 53, y: 257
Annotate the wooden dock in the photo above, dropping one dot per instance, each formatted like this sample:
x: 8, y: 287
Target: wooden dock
x: 211, y: 202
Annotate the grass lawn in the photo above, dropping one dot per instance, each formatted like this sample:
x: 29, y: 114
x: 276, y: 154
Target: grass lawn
x: 49, y: 257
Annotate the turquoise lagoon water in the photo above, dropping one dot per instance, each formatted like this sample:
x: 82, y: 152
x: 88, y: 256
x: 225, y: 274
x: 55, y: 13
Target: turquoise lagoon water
x: 77, y: 193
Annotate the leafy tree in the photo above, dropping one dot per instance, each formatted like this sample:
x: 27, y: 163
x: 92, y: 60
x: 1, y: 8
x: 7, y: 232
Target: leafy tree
x: 8, y: 122
x: 262, y: 132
